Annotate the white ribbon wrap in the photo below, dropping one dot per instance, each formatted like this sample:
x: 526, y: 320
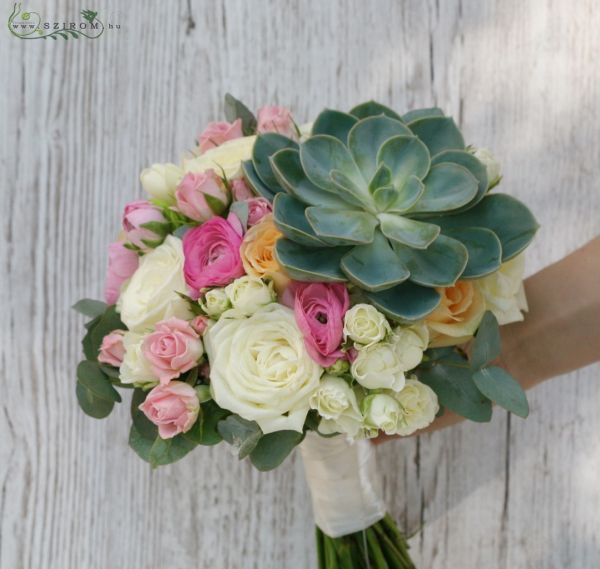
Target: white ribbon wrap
x: 344, y: 483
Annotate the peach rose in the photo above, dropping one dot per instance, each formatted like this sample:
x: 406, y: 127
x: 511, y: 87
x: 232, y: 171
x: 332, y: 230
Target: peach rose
x: 458, y: 315
x: 258, y: 252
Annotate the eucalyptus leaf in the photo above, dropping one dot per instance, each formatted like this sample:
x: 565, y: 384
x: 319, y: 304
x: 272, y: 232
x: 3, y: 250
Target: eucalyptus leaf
x: 242, y: 434
x: 272, y: 449
x: 486, y: 345
x: 91, y: 405
x: 92, y: 378
x: 143, y: 425
x: 499, y: 386
x: 204, y: 431
x: 235, y: 109
x: 90, y: 307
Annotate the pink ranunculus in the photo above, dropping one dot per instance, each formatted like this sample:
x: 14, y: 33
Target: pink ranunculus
x: 200, y: 324
x: 201, y: 195
x: 135, y: 215
x: 216, y: 133
x: 172, y: 349
x: 257, y: 209
x: 319, y: 310
x: 173, y: 408
x: 212, y: 255
x: 111, y: 349
x: 241, y: 190
x: 276, y: 119
x: 122, y: 263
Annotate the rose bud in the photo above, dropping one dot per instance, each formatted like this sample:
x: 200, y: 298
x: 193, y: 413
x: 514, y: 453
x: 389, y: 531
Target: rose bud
x: 144, y: 224
x: 201, y: 196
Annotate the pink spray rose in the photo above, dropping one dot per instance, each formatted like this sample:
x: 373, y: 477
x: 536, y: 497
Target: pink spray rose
x: 276, y: 119
x: 212, y: 255
x: 172, y: 349
x: 319, y: 310
x: 200, y: 324
x: 257, y: 209
x: 122, y: 263
x: 240, y: 190
x: 201, y: 196
x: 111, y: 349
x: 173, y: 408
x: 216, y: 133
x: 135, y: 215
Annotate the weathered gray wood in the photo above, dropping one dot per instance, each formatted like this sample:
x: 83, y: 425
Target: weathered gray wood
x: 81, y: 118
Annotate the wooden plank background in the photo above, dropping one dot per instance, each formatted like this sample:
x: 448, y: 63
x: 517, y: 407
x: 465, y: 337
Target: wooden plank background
x: 81, y: 118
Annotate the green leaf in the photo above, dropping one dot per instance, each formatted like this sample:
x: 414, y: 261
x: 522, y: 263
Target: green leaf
x: 366, y: 137
x: 107, y: 323
x: 273, y: 449
x: 405, y: 156
x: 497, y: 385
x: 483, y: 247
x: 406, y: 302
x: 374, y: 267
x: 438, y: 134
x: 240, y: 209
x: 412, y: 116
x: 288, y: 215
x: 90, y: 307
x: 452, y: 381
x: 372, y: 108
x: 92, y: 378
x: 347, y: 227
x: 447, y: 186
x: 158, y: 227
x: 265, y: 146
x: 143, y: 425
x: 242, y: 434
x: 406, y: 196
x: 217, y: 206
x: 486, y: 346
x: 204, y: 431
x: 90, y: 351
x: 382, y: 178
x: 441, y: 264
x: 255, y: 182
x: 111, y: 371
x: 92, y: 405
x: 235, y: 109
x: 416, y: 234
x: 160, y: 451
x: 334, y: 123
x: 310, y: 264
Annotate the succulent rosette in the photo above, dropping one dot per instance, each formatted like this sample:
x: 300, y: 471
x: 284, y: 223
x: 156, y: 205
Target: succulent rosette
x: 312, y: 285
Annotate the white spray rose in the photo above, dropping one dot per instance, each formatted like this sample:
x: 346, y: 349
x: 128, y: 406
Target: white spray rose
x: 365, y: 325
x: 226, y: 158
x: 151, y: 294
x: 260, y: 369
x: 161, y: 180
x: 492, y: 165
x: 135, y: 368
x: 379, y: 367
x: 336, y: 402
x: 419, y: 405
x: 247, y: 294
x: 503, y: 291
x: 381, y: 411
x: 410, y: 343
x: 214, y: 302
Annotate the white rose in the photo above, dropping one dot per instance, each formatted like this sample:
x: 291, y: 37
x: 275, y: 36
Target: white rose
x: 365, y: 325
x: 260, y: 369
x: 161, y: 180
x: 214, y: 302
x: 379, y: 367
x: 227, y: 157
x: 503, y: 291
x: 381, y: 411
x: 247, y: 294
x: 419, y: 405
x: 336, y: 403
x: 135, y: 368
x: 410, y: 343
x: 151, y: 294
x: 492, y: 165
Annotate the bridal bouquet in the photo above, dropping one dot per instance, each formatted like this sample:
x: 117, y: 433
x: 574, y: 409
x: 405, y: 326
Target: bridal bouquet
x: 311, y: 285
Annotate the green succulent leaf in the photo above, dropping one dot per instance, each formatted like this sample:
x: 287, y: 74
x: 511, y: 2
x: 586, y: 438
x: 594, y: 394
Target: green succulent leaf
x: 499, y: 386
x: 483, y: 247
x: 438, y: 134
x: 288, y: 169
x: 235, y: 109
x: 406, y: 302
x: 373, y: 108
x: 417, y: 234
x: 255, y: 182
x: 447, y: 187
x: 334, y: 123
x: 314, y: 265
x: 265, y: 146
x: 407, y: 196
x: 381, y: 179
x: 486, y: 346
x: 288, y: 214
x: 417, y: 114
x: 272, y: 449
x: 472, y: 164
x: 441, y: 264
x: 405, y: 156
x: 367, y: 136
x: 347, y: 227
x: 375, y: 266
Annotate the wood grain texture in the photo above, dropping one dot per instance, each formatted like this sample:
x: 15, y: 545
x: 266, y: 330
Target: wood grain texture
x: 81, y: 119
